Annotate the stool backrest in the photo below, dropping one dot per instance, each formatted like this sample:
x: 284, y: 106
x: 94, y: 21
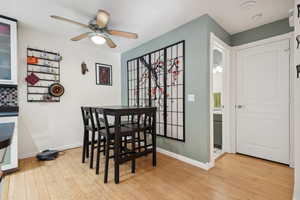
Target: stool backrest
x: 101, y: 120
x: 87, y: 117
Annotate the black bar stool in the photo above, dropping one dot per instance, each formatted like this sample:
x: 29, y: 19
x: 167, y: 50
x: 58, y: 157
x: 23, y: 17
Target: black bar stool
x: 106, y: 132
x: 142, y: 125
x: 89, y: 126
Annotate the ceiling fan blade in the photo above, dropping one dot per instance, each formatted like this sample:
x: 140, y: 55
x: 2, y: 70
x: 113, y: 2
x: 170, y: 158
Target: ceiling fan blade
x: 80, y: 37
x: 110, y: 43
x: 69, y: 20
x: 123, y: 34
x: 102, y: 18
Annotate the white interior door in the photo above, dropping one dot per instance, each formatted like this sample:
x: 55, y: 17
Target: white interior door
x: 263, y: 101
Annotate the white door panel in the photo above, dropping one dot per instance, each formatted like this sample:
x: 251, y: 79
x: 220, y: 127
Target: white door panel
x: 263, y: 96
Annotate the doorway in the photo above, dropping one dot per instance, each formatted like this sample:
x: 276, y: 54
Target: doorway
x: 219, y: 93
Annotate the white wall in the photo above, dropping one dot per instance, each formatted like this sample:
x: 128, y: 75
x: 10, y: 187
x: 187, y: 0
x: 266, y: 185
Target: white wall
x: 59, y: 125
x: 217, y: 77
x: 297, y: 109
x: 218, y: 82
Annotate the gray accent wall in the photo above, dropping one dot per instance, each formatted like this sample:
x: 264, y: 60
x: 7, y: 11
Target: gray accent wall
x: 262, y: 32
x: 197, y: 43
x: 197, y: 47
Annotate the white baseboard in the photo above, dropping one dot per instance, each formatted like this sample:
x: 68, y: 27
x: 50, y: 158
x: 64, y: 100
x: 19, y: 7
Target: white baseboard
x: 68, y: 146
x: 205, y: 166
x: 59, y: 148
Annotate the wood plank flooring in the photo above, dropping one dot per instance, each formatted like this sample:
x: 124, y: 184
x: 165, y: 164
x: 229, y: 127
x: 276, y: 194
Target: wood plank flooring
x: 234, y: 177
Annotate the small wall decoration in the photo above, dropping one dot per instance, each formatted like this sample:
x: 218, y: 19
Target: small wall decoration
x: 298, y: 41
x: 32, y: 79
x: 84, y: 68
x: 103, y: 74
x: 298, y: 71
x: 32, y: 60
x: 56, y: 90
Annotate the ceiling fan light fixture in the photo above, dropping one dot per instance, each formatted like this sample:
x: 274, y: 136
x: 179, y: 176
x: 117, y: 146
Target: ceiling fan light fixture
x: 99, y: 33
x: 97, y: 39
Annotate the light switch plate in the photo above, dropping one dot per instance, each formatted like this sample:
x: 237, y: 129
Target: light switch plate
x: 191, y: 97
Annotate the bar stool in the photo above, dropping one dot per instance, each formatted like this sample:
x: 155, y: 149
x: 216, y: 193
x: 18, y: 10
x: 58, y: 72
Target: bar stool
x: 107, y: 132
x: 142, y: 126
x: 89, y: 126
x: 145, y: 125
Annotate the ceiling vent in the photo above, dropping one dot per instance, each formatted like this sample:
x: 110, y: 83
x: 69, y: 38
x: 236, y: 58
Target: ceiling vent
x: 247, y: 4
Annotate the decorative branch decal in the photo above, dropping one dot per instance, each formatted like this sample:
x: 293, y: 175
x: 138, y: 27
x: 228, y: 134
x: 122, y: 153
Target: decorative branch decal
x: 157, y: 68
x: 174, y: 69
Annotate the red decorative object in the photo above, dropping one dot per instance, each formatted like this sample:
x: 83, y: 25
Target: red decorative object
x: 32, y: 79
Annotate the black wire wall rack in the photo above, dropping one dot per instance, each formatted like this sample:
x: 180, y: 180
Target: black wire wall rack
x: 47, y: 69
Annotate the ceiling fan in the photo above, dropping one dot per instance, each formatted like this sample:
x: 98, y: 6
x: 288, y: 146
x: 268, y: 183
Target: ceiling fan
x: 99, y: 32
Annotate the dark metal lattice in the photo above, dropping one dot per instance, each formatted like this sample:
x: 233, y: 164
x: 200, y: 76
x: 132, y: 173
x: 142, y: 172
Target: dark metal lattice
x: 157, y: 79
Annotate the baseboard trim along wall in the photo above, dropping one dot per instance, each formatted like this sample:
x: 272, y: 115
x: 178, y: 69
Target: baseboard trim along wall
x: 60, y: 148
x: 205, y: 166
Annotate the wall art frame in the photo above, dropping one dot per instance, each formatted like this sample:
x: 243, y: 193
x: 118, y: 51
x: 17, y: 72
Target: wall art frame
x: 103, y: 74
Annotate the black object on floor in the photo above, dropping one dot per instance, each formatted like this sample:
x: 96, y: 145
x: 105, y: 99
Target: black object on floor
x: 47, y: 155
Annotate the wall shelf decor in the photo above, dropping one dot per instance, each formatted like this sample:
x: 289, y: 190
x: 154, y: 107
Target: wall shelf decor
x: 46, y: 66
x: 158, y: 79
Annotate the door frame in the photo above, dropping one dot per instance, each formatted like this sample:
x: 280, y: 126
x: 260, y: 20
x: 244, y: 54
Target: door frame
x: 233, y: 92
x: 215, y: 41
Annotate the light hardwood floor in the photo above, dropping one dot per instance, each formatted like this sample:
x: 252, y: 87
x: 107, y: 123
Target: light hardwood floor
x: 234, y: 177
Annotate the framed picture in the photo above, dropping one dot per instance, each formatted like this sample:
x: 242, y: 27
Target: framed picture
x: 103, y: 74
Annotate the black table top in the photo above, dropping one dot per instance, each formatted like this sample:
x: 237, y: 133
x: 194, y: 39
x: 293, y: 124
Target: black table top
x: 127, y: 109
x: 6, y: 133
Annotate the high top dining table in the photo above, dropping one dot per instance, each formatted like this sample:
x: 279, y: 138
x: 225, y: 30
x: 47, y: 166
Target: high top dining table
x: 117, y: 112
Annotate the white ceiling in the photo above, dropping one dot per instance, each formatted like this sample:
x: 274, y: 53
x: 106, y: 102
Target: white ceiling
x: 148, y: 18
